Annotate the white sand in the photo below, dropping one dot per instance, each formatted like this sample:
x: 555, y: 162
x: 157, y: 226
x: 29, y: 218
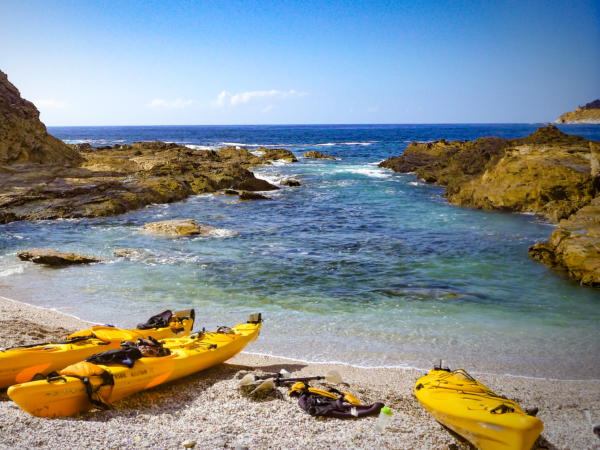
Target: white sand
x: 209, y: 408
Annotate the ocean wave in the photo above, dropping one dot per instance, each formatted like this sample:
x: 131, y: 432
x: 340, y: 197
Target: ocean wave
x: 12, y: 271
x: 367, y: 171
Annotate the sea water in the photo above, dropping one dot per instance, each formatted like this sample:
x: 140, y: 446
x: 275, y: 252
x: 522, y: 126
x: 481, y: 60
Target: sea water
x: 359, y: 265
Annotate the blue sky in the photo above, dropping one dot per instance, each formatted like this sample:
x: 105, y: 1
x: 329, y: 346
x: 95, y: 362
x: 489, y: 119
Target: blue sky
x: 301, y: 62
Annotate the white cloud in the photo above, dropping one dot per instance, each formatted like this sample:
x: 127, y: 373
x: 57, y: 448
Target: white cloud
x: 268, y: 108
x: 159, y: 103
x: 49, y: 103
x: 227, y: 99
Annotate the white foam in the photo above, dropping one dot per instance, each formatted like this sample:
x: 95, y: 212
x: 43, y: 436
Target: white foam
x: 367, y: 171
x: 223, y: 233
x: 12, y: 271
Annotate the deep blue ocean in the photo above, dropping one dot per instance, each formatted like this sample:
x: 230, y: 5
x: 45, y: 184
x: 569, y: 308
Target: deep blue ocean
x: 358, y: 265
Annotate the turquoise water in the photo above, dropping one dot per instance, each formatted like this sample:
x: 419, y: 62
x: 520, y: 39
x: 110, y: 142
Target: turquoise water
x: 359, y: 265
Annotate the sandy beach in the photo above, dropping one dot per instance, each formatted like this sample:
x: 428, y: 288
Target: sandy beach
x: 211, y: 410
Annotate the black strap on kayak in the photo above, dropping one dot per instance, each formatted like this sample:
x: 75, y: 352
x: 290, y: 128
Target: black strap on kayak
x: 501, y: 409
x: 107, y: 380
x: 67, y: 341
x: 161, y: 320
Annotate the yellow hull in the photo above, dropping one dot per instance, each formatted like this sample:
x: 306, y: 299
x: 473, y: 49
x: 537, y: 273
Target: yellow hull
x: 472, y: 410
x: 67, y: 396
x: 19, y: 365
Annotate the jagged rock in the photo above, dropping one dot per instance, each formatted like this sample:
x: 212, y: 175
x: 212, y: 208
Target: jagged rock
x: 275, y: 154
x: 256, y: 184
x: 231, y: 192
x: 187, y: 227
x: 575, y: 245
x: 245, y: 195
x: 317, y: 155
x: 55, y: 257
x: 290, y: 182
x: 23, y: 137
x: 547, y: 172
x: 588, y: 114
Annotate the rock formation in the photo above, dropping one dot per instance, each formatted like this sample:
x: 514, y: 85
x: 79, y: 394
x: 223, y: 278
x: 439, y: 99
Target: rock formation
x: 245, y: 195
x: 186, y: 227
x: 290, y: 182
x: 55, y: 257
x: 588, y: 114
x: 275, y: 154
x: 23, y: 137
x: 122, y: 178
x: 548, y: 173
x: 317, y: 155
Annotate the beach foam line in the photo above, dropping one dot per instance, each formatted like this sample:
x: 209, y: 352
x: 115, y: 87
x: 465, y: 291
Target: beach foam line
x: 399, y: 367
x: 340, y: 363
x: 47, y: 309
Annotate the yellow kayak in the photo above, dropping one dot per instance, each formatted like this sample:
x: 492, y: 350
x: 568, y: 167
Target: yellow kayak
x: 469, y: 408
x: 20, y: 364
x: 65, y: 395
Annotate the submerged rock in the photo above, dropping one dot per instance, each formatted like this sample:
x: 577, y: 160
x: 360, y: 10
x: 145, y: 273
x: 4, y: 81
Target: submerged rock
x: 317, y: 155
x: 290, y: 182
x: 127, y: 253
x: 55, y: 257
x: 187, y: 227
x: 245, y: 195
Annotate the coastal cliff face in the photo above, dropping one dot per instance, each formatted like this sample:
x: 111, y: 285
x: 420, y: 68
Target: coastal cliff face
x: 23, y: 137
x: 548, y: 173
x: 588, y: 114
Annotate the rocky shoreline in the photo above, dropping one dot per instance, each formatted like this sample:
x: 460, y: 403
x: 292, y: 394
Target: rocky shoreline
x: 583, y: 115
x: 209, y: 409
x: 548, y: 173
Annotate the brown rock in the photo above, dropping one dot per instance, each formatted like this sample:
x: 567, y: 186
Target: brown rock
x: 575, y: 245
x: 547, y: 172
x: 290, y: 182
x: 23, y: 137
x: 275, y: 154
x: 55, y: 257
x: 187, y: 227
x: 317, y: 155
x: 245, y: 195
x: 256, y: 184
x: 126, y: 253
x: 588, y: 114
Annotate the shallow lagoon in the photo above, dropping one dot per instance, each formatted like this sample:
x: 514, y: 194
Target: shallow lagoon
x: 359, y: 265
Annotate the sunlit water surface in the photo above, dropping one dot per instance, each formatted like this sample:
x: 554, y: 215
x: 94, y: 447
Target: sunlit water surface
x: 359, y: 265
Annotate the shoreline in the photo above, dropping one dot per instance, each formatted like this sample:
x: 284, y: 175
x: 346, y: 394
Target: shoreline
x: 331, y: 363
x: 207, y: 406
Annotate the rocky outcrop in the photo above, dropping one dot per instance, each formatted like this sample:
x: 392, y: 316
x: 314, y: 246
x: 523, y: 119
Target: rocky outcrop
x: 575, y: 245
x: 547, y: 172
x: 121, y: 178
x: 276, y: 154
x: 245, y: 195
x: 588, y: 114
x: 290, y: 182
x: 23, y: 137
x: 55, y: 257
x: 186, y: 227
x: 317, y: 155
